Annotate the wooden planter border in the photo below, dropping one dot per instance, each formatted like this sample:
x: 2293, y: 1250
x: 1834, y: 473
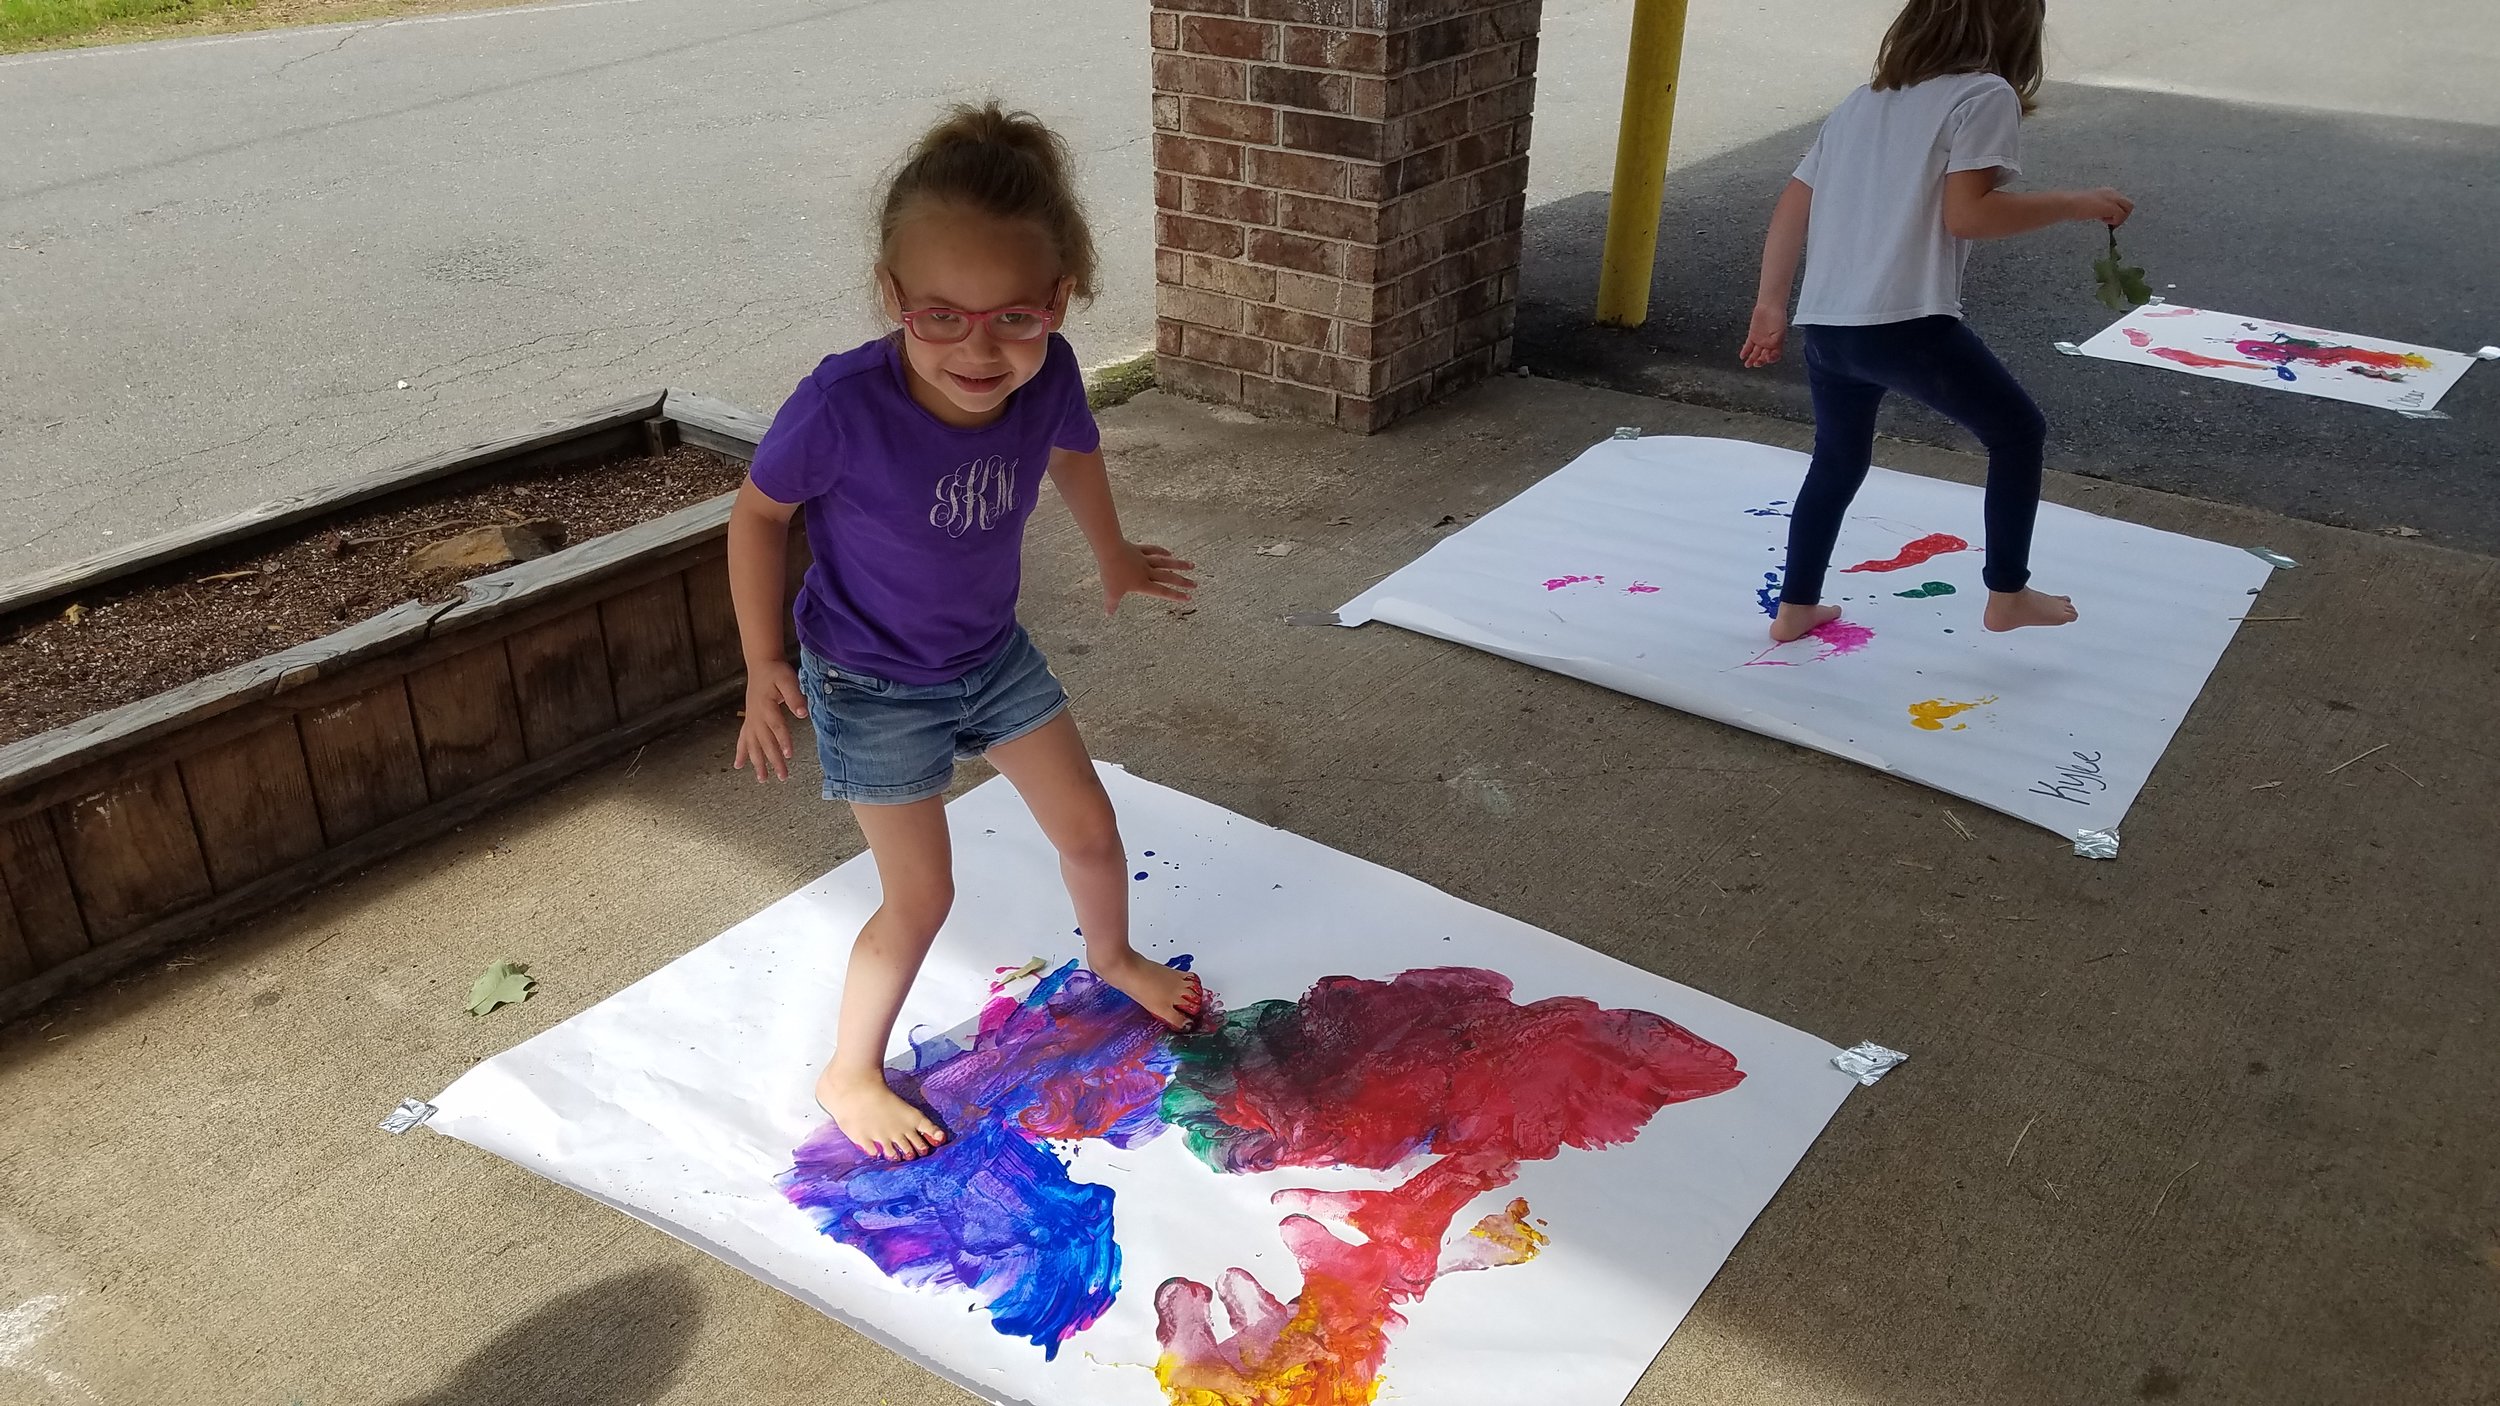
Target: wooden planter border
x: 149, y: 824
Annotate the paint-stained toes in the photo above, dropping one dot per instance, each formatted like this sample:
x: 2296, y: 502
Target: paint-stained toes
x: 876, y: 1120
x: 1795, y: 622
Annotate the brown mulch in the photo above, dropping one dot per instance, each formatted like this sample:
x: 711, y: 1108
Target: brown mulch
x: 129, y: 639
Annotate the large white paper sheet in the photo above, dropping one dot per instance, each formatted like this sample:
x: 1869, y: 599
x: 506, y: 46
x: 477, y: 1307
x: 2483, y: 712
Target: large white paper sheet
x: 680, y: 1099
x: 2282, y: 356
x: 1651, y: 567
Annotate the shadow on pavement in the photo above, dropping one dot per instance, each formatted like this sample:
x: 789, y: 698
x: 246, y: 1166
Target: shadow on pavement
x: 616, y: 1342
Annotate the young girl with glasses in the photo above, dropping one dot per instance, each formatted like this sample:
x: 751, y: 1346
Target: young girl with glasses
x: 1906, y: 173
x: 918, y: 457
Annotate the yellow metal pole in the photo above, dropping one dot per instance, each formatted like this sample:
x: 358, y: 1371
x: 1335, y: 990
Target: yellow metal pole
x: 1649, y: 77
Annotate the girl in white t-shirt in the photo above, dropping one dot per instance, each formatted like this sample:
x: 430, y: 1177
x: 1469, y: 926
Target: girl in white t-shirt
x: 1906, y: 172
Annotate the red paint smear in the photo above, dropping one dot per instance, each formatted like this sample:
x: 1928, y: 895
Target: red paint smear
x: 2288, y: 350
x: 2199, y: 359
x: 1326, y: 1347
x: 2138, y: 337
x: 1934, y: 544
x: 1368, y: 1074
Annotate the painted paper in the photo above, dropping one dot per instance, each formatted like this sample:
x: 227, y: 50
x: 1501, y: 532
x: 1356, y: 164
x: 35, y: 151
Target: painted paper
x: 1421, y: 1151
x: 2056, y: 726
x: 2282, y: 356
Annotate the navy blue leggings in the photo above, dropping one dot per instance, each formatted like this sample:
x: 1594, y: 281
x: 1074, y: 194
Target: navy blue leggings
x: 1943, y: 365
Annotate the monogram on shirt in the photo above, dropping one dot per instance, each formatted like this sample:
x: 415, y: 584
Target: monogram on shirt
x: 979, y: 494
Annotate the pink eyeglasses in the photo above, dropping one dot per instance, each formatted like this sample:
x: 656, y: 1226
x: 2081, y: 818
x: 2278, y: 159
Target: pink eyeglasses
x: 945, y: 326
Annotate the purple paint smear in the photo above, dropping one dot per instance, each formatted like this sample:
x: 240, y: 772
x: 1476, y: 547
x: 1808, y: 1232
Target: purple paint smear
x: 1558, y: 582
x: 992, y: 1211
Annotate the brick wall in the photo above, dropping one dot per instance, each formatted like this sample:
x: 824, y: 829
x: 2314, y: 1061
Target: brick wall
x: 1339, y: 186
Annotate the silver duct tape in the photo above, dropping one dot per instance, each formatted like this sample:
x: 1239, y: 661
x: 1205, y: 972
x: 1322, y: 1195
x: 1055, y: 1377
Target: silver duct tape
x: 1867, y: 1062
x: 2424, y: 414
x: 2488, y: 354
x: 1627, y: 432
x: 1313, y: 617
x: 2067, y: 348
x: 2272, y: 558
x: 412, y: 1112
x: 2096, y: 844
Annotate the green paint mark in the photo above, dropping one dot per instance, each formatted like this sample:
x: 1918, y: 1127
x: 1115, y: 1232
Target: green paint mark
x: 1931, y: 588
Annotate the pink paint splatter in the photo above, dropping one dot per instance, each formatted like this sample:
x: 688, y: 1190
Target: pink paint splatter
x: 1832, y: 638
x: 1934, y: 544
x: 2137, y: 337
x: 1841, y: 637
x: 1558, y: 582
x: 1640, y: 588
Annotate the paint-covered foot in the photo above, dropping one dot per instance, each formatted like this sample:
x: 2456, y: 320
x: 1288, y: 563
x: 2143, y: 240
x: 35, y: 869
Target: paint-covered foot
x: 1169, y: 995
x: 2011, y: 610
x: 1795, y: 622
x: 874, y: 1117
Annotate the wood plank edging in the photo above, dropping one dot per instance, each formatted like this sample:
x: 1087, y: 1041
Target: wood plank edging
x: 285, y: 512
x: 113, y: 957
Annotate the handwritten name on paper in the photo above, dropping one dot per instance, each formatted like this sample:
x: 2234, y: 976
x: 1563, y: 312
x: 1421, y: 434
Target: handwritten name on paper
x: 2079, y: 780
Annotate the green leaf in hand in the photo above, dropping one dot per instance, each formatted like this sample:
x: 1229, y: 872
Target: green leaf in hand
x: 2121, y: 286
x: 502, y: 984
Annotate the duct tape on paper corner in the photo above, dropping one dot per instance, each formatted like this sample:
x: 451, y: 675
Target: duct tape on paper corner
x: 412, y: 1112
x: 1867, y: 1062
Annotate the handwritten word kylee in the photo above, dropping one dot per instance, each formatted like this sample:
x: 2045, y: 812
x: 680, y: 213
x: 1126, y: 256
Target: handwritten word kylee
x: 2078, y: 781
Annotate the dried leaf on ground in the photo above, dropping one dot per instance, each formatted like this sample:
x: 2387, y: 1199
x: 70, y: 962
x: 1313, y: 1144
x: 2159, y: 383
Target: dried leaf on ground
x: 501, y: 984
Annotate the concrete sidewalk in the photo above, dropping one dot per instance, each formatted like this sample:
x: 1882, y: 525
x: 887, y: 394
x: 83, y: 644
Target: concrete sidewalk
x: 2213, y: 1122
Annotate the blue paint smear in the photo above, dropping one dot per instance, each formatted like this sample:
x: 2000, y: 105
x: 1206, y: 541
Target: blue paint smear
x: 1769, y: 596
x: 1141, y: 876
x: 992, y: 1212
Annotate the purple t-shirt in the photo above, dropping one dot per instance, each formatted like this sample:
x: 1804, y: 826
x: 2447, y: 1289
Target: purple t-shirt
x: 917, y: 526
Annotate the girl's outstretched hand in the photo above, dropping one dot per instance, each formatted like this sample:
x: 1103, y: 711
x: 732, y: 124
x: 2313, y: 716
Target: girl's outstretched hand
x: 1767, y: 336
x: 764, y: 738
x: 1140, y: 569
x: 2104, y: 205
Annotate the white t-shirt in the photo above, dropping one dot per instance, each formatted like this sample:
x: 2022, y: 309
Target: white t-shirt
x: 1876, y: 246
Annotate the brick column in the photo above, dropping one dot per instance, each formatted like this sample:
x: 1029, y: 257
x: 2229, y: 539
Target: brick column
x: 1339, y: 186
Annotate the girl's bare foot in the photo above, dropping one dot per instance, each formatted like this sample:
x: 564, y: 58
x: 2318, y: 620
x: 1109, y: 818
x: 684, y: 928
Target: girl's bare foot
x: 1795, y: 622
x: 1169, y: 995
x: 874, y: 1117
x: 2011, y: 610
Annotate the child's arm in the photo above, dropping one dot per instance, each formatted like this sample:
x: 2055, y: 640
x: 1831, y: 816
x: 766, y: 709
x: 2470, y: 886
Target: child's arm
x: 759, y: 562
x: 1975, y: 209
x: 1128, y: 568
x: 1768, y: 333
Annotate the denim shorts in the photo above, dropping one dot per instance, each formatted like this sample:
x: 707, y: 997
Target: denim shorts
x: 888, y: 743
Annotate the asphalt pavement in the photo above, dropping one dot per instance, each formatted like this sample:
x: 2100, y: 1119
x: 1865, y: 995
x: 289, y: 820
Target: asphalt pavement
x: 220, y: 258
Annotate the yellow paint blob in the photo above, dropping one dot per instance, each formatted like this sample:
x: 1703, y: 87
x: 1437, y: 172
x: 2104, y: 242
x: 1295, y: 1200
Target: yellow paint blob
x: 1513, y: 1240
x: 1931, y: 715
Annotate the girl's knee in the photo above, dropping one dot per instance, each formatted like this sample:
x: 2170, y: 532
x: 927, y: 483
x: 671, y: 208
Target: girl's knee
x: 2020, y: 429
x: 920, y: 908
x: 1094, y: 841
